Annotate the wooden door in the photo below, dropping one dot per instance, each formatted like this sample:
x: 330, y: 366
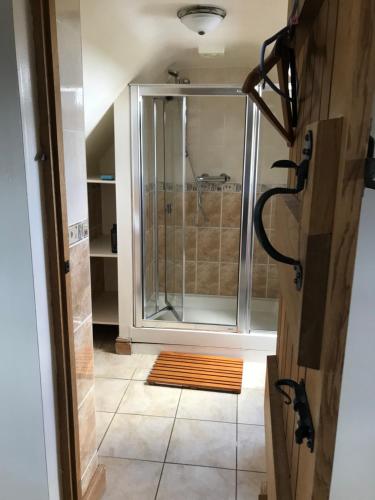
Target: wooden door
x: 335, y: 50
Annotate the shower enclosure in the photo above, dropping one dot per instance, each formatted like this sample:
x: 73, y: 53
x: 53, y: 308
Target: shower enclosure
x: 194, y: 155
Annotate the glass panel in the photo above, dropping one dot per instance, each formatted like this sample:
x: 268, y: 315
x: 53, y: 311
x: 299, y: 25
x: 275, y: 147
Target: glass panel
x: 149, y: 246
x: 265, y: 282
x: 174, y: 159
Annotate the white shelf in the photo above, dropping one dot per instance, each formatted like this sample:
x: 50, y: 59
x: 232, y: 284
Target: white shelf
x: 95, y: 179
x: 105, y: 309
x: 101, y: 247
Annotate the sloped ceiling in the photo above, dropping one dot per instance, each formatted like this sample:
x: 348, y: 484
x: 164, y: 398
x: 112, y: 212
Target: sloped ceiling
x: 137, y: 40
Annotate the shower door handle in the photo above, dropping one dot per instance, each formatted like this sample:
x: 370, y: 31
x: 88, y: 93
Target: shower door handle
x: 301, y: 172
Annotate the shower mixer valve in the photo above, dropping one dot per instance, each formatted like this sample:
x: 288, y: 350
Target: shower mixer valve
x: 221, y: 179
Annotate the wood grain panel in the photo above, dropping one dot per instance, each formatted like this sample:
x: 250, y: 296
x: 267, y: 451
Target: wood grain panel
x: 335, y: 79
x: 278, y: 484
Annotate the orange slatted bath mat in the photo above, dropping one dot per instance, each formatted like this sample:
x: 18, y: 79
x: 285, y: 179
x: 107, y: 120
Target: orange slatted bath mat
x: 196, y: 371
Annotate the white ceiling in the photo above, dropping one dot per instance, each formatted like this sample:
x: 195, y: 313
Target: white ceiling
x: 124, y: 40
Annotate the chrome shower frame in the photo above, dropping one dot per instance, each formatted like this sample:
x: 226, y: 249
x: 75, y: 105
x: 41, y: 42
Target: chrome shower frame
x: 251, y: 133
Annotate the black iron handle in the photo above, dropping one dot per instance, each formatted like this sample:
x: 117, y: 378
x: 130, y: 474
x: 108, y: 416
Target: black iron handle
x: 263, y: 238
x: 305, y: 427
x: 301, y: 172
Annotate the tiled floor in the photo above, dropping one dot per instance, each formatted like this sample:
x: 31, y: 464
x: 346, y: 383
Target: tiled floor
x: 168, y: 444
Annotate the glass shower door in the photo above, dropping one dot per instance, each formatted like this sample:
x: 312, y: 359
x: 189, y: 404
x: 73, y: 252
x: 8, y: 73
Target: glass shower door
x: 174, y: 180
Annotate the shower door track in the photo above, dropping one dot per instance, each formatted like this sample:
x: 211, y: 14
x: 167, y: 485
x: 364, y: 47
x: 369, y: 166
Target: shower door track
x: 142, y: 325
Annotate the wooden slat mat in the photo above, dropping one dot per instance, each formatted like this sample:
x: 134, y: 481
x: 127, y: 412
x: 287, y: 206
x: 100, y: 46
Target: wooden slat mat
x: 196, y: 371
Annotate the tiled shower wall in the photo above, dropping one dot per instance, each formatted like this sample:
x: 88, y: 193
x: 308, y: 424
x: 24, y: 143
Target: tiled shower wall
x: 211, y: 237
x: 70, y: 65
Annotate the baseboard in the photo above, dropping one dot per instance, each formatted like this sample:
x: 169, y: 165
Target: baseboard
x: 97, y: 485
x: 123, y: 346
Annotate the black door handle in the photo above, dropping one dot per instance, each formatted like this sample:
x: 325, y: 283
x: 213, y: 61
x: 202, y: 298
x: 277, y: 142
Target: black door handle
x: 301, y: 172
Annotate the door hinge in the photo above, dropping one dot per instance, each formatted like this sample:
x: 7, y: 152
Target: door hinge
x: 66, y: 266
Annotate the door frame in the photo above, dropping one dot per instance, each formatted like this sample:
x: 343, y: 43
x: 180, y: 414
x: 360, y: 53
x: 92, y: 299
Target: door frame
x: 55, y: 211
x: 137, y: 91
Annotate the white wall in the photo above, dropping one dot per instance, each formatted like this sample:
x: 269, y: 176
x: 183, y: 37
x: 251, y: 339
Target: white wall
x: 28, y: 459
x: 125, y: 40
x: 353, y: 467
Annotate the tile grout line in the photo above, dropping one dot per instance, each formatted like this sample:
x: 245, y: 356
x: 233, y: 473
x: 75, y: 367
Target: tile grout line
x: 115, y: 413
x: 181, y: 463
x: 169, y: 442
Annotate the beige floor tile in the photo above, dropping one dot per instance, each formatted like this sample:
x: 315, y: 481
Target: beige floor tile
x: 196, y: 483
x: 251, y: 448
x: 144, y: 360
x: 108, y: 393
x: 203, y: 443
x: 107, y: 364
x: 141, y: 373
x: 130, y: 479
x: 251, y: 407
x: 204, y: 405
x: 143, y: 399
x: 254, y: 375
x: 103, y: 419
x: 137, y: 437
x: 249, y: 485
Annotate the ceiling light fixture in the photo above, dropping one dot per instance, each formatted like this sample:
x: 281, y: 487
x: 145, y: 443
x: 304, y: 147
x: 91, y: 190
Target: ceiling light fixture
x: 201, y: 18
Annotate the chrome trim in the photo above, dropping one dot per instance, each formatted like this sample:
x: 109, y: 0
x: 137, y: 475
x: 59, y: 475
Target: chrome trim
x: 201, y: 9
x: 188, y: 89
x: 184, y: 90
x: 244, y: 267
x: 155, y: 214
x: 136, y: 201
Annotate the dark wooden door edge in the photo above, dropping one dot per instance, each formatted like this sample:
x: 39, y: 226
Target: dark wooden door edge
x: 278, y: 479
x: 97, y: 485
x: 54, y: 199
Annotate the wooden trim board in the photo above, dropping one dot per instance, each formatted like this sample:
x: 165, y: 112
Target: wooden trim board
x: 97, y: 485
x: 278, y: 477
x: 196, y: 371
x: 123, y: 346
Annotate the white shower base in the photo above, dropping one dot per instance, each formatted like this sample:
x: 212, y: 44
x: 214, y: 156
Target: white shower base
x: 215, y: 310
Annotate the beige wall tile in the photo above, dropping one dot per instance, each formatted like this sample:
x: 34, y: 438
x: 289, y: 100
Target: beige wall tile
x: 89, y: 473
x: 230, y: 243
x: 161, y: 205
x: 84, y: 359
x: 273, y: 284
x: 161, y: 272
x: 87, y: 430
x: 208, y: 244
x: 231, y: 210
x: 228, y: 278
x: 208, y: 278
x: 191, y: 208
x: 161, y: 241
x: 190, y: 276
x: 259, y: 278
x: 211, y: 207
x: 190, y: 243
x: 80, y: 281
x: 259, y: 255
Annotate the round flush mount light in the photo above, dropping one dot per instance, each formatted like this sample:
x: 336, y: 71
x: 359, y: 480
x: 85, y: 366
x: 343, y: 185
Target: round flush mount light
x: 201, y: 18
